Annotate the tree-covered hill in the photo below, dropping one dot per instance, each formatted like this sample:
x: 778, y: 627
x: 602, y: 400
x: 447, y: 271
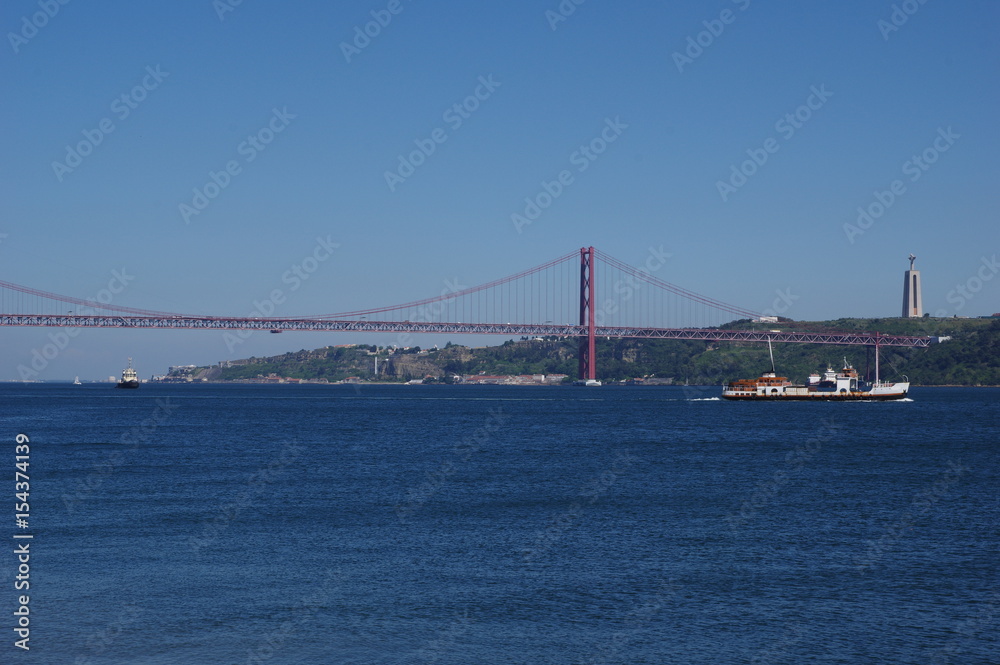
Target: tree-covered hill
x: 971, y: 357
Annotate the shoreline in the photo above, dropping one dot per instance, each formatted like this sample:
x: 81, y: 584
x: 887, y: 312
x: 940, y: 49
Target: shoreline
x: 614, y: 384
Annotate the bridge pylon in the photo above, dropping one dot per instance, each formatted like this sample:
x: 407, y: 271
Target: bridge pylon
x: 586, y: 354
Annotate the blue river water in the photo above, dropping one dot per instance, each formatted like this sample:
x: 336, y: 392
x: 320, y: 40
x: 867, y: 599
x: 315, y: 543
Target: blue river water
x: 232, y: 524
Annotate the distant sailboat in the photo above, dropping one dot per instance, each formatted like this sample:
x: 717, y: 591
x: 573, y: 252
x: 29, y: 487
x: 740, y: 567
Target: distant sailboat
x: 76, y: 381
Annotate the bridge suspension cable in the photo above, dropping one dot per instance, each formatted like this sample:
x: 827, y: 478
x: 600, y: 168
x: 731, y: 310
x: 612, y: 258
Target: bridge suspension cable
x: 646, y: 276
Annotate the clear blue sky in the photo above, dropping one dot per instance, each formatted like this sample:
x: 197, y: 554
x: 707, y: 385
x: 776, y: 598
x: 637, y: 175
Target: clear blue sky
x: 887, y: 95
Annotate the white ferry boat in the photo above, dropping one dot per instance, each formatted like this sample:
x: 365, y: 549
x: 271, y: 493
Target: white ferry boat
x: 844, y: 385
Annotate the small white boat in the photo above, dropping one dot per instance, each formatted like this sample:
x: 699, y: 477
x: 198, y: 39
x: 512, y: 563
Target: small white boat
x: 76, y: 381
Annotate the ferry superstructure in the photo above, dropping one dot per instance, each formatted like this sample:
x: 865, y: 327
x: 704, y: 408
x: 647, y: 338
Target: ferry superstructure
x: 844, y: 385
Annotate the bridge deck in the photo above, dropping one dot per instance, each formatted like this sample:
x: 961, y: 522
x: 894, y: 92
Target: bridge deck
x: 527, y: 329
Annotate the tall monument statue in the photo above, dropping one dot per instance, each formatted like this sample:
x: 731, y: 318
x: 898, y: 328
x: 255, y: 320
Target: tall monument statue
x: 913, y: 306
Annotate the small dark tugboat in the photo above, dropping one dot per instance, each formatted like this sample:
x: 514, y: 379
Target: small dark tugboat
x: 129, y: 378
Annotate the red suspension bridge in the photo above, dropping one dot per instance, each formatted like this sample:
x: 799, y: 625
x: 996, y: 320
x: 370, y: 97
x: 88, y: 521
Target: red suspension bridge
x: 583, y: 295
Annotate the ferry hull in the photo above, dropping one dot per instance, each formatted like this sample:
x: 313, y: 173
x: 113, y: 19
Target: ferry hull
x: 818, y: 397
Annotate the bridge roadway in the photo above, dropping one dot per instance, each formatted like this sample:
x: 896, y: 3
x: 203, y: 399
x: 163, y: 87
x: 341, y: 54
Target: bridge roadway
x: 525, y: 329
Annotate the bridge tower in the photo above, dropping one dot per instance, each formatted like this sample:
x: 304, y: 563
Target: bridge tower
x: 588, y: 360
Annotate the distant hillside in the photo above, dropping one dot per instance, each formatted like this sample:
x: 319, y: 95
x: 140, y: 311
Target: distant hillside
x: 971, y: 357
